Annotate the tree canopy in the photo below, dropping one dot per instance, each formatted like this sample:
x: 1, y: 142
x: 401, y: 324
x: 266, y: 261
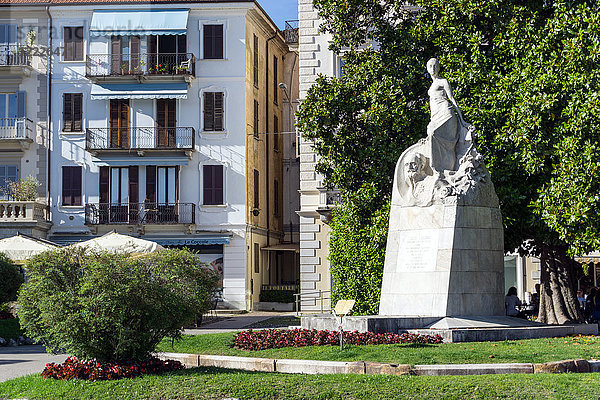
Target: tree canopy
x: 525, y: 73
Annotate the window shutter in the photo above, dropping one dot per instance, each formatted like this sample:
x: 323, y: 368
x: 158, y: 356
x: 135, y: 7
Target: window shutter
x: 255, y: 63
x: 276, y: 197
x: 78, y: 44
x: 133, y: 184
x: 76, y: 186
x: 67, y: 112
x: 66, y: 186
x: 151, y: 183
x: 276, y: 130
x: 255, y: 118
x: 135, y: 55
x: 218, y: 184
x: 218, y: 125
x: 208, y: 185
x: 209, y: 112
x: 21, y: 104
x: 208, y: 43
x: 181, y: 44
x: 275, y: 83
x: 68, y: 39
x: 256, y: 189
x: 104, y: 184
x: 218, y: 35
x: 77, y: 100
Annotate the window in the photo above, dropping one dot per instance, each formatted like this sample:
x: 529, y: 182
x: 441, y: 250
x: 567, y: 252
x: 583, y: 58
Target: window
x: 72, y: 112
x: 255, y: 119
x: 71, y: 186
x: 8, y: 173
x: 213, y: 111
x: 73, y: 36
x: 213, y: 184
x: 166, y: 121
x: 341, y: 63
x: 276, y: 198
x: 119, y: 123
x: 256, y: 191
x: 276, y: 133
x: 256, y: 258
x: 255, y: 61
x: 275, y: 83
x: 213, y: 42
x: 125, y: 55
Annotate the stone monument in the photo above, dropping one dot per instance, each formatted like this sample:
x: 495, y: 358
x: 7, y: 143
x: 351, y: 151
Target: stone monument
x: 444, y: 253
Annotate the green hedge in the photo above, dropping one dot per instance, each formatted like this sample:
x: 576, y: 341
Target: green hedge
x: 277, y: 296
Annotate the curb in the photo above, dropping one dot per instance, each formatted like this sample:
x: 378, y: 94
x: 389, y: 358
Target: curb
x: 315, y: 367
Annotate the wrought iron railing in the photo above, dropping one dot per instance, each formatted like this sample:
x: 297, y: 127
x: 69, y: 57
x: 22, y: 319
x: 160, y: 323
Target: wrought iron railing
x: 16, y: 128
x: 15, y: 55
x: 151, y: 138
x: 140, y: 213
x: 291, y: 32
x: 105, y: 65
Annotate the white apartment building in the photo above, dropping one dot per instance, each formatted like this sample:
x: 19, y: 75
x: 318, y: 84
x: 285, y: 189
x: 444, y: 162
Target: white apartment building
x: 165, y: 122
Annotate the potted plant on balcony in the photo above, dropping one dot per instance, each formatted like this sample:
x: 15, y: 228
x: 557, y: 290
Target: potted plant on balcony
x: 25, y: 190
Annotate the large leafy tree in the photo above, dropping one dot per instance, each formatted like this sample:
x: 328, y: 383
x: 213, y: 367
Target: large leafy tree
x: 525, y: 73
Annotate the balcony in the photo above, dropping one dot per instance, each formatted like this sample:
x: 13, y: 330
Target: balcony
x: 140, y: 139
x: 15, y: 61
x: 290, y: 32
x: 140, y: 67
x: 17, y: 133
x: 328, y: 200
x: 140, y: 213
x: 30, y: 217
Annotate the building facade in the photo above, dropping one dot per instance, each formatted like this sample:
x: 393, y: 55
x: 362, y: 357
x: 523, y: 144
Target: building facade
x: 165, y: 123
x: 23, y: 120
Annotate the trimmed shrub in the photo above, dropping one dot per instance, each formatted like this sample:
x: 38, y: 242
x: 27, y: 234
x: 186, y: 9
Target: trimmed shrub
x: 110, y: 306
x: 92, y: 370
x: 277, y: 296
x: 278, y: 338
x: 10, y: 279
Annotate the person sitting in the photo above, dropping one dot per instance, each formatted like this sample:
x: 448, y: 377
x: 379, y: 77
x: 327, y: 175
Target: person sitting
x: 592, y: 306
x: 511, y: 302
x: 535, y: 300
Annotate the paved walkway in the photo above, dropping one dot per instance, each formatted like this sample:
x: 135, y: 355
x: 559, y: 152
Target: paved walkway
x: 235, y: 322
x: 24, y: 360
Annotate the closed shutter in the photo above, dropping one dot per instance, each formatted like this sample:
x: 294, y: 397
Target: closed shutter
x: 71, y: 186
x: 115, y: 55
x: 255, y: 63
x: 135, y: 55
x: 213, y: 41
x: 256, y: 189
x: 275, y: 83
x: 78, y: 44
x: 133, y: 184
x: 166, y: 122
x: 276, y: 131
x: 68, y: 39
x: 276, y: 198
x: 67, y: 112
x: 151, y: 184
x: 77, y: 112
x: 213, y: 184
x: 104, y: 184
x: 21, y: 104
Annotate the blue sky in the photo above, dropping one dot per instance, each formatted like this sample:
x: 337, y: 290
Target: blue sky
x: 280, y: 10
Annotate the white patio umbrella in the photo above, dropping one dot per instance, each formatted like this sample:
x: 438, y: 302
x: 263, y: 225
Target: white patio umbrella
x: 21, y: 247
x: 116, y: 242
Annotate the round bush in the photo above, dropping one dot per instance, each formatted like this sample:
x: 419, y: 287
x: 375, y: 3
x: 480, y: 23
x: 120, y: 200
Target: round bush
x: 10, y: 279
x: 112, y: 307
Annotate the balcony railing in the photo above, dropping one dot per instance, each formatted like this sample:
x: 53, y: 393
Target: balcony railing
x: 140, y: 213
x: 291, y: 32
x: 152, y: 138
x: 15, y: 55
x: 114, y: 65
x: 16, y: 128
x: 22, y: 211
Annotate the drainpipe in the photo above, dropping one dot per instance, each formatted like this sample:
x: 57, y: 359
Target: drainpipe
x: 267, y: 145
x: 49, y: 107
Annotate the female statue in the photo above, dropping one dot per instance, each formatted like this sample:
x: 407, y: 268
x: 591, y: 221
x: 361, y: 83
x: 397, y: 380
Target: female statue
x: 446, y: 121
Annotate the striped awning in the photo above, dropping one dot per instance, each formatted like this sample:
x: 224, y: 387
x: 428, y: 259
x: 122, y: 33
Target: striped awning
x: 139, y: 22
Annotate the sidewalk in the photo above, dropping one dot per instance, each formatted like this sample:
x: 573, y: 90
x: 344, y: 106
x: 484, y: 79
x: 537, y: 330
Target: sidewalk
x: 25, y: 360
x: 235, y: 322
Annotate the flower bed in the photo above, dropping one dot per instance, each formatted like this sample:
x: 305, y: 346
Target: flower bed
x: 92, y: 370
x: 278, y: 338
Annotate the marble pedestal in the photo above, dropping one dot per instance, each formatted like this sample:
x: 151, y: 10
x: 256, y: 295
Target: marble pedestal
x: 443, y: 260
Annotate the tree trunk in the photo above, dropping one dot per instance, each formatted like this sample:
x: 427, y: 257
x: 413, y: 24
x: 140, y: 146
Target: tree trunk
x: 558, y: 298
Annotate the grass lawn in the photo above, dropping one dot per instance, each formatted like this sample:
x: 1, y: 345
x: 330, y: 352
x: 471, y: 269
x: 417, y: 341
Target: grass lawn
x: 211, y: 383
x: 532, y: 351
x: 10, y: 329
